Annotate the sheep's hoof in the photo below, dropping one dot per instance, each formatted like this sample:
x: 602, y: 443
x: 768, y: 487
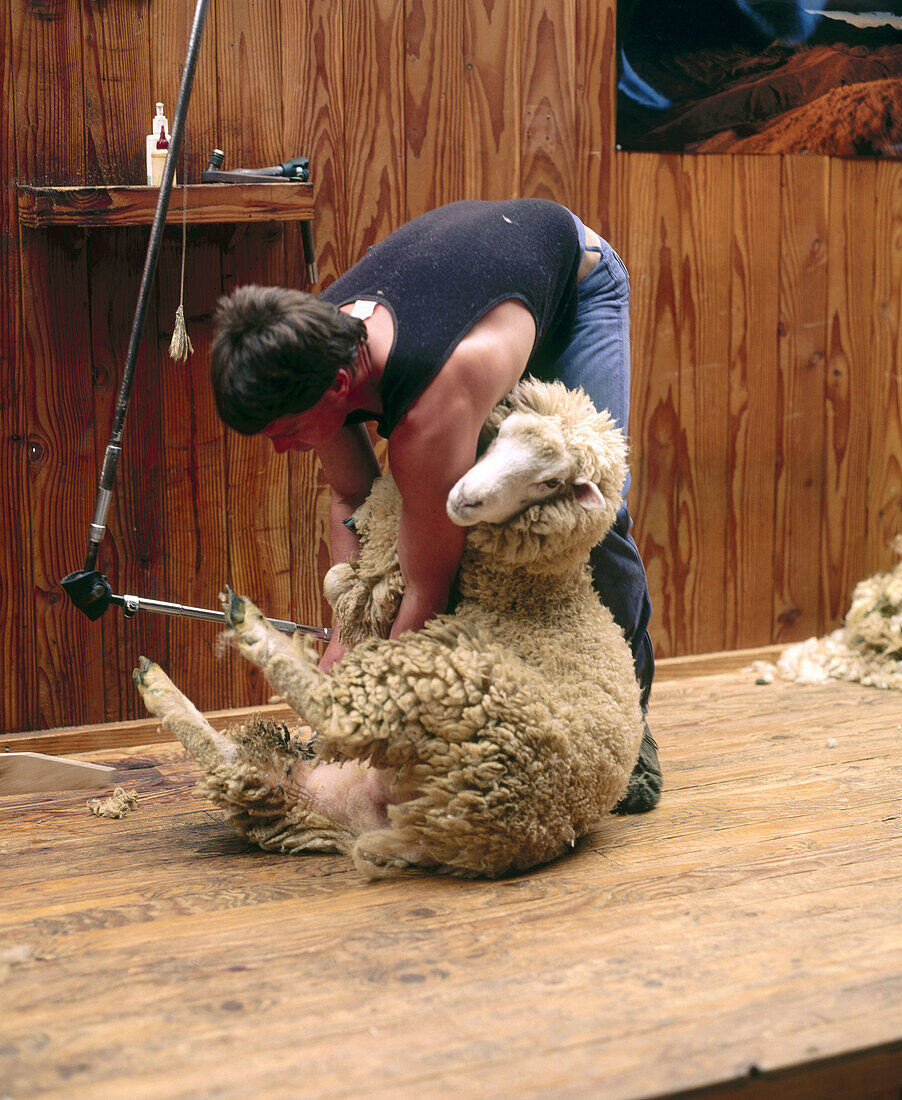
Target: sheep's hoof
x: 644, y: 790
x: 233, y: 607
x: 160, y: 695
x: 149, y: 678
x: 139, y: 674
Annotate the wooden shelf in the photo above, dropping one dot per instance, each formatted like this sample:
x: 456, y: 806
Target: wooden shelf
x: 208, y: 203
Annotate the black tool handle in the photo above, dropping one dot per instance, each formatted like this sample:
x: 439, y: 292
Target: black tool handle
x: 309, y: 251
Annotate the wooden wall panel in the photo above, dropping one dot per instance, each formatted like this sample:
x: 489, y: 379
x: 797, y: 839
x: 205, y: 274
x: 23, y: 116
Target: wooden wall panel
x: 117, y: 95
x: 849, y: 379
x: 705, y: 297
x: 133, y: 554
x: 169, y: 27
x: 18, y: 684
x: 549, y: 160
x: 754, y: 375
x: 766, y: 411
x: 313, y: 126
x: 653, y: 257
x: 884, y: 486
x: 49, y: 98
x: 595, y: 96
x: 58, y: 394
x: 62, y: 482
x: 374, y: 120
x: 492, y: 139
x: 250, y: 115
x: 435, y: 95
x: 258, y: 528
x: 194, y: 475
x: 248, y: 64
x: 800, y: 478
x: 314, y: 119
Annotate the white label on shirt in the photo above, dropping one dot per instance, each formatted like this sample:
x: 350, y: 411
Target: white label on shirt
x: 363, y: 310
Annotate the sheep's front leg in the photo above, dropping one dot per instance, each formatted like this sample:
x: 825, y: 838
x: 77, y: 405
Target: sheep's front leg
x: 287, y: 661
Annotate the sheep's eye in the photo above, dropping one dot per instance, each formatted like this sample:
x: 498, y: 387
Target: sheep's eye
x: 553, y: 483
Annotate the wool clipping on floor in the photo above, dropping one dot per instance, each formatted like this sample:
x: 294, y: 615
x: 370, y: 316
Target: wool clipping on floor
x: 119, y: 804
x: 867, y: 648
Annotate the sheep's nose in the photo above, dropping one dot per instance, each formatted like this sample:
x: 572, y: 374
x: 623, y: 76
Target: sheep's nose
x: 462, y: 504
x: 459, y: 507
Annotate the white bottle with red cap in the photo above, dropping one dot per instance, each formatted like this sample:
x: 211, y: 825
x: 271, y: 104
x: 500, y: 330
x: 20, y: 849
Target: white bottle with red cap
x: 157, y: 148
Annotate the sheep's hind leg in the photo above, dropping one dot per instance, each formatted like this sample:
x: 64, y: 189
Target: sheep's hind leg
x: 262, y: 778
x: 180, y: 716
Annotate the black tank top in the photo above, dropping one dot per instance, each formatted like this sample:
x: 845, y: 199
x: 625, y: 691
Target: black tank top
x: 443, y: 271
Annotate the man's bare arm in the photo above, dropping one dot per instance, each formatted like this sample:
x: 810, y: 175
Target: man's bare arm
x: 435, y: 444
x: 350, y: 465
x: 425, y: 464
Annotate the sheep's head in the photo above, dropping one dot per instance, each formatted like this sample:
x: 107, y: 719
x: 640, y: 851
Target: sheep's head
x: 552, y: 474
x: 526, y: 462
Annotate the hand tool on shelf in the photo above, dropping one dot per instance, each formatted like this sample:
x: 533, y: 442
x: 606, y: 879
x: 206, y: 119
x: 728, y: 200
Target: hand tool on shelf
x: 294, y: 170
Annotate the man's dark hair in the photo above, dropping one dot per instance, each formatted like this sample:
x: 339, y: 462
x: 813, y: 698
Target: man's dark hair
x: 275, y: 352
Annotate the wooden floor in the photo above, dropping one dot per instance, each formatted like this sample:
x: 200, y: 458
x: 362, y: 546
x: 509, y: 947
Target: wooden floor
x: 746, y: 936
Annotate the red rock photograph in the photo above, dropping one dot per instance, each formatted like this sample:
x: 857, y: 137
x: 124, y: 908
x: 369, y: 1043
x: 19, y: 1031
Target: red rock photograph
x: 760, y: 76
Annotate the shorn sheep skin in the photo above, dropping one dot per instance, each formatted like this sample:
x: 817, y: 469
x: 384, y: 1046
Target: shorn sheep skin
x: 488, y: 742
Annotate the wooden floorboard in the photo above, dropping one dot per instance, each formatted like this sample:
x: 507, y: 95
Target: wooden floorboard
x: 743, y: 939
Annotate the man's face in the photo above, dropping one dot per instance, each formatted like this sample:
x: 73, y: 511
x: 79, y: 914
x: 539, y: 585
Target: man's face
x: 305, y: 431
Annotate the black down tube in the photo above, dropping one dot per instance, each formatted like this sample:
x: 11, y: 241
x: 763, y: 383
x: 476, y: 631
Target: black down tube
x: 114, y: 447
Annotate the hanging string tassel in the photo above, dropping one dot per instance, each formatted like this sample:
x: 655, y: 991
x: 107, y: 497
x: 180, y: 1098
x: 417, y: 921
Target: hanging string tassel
x: 180, y: 346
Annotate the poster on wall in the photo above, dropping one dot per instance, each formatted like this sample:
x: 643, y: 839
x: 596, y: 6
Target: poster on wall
x: 760, y: 76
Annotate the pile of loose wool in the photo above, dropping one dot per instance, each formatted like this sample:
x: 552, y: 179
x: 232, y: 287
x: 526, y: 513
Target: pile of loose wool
x: 867, y: 648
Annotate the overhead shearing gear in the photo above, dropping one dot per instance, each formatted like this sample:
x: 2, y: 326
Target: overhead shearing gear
x: 88, y: 589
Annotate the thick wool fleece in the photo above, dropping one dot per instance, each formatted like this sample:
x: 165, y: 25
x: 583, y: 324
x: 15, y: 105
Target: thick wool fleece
x: 517, y: 717
x: 365, y: 601
x: 515, y: 751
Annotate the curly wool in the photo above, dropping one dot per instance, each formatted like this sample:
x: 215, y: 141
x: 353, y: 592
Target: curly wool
x: 367, y: 609
x: 514, y: 751
x: 261, y: 799
x: 119, y: 804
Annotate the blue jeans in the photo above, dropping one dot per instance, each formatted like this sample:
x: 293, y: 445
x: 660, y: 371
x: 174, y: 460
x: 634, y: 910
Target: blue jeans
x: 597, y: 359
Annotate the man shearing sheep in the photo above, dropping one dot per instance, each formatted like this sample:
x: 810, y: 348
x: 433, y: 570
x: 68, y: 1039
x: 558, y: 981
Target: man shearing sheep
x: 424, y: 336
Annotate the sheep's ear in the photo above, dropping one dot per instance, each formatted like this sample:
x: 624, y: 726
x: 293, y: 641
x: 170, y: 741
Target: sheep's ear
x: 588, y: 494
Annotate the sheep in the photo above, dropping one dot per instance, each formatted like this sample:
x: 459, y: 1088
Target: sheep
x: 866, y: 649
x: 487, y: 742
